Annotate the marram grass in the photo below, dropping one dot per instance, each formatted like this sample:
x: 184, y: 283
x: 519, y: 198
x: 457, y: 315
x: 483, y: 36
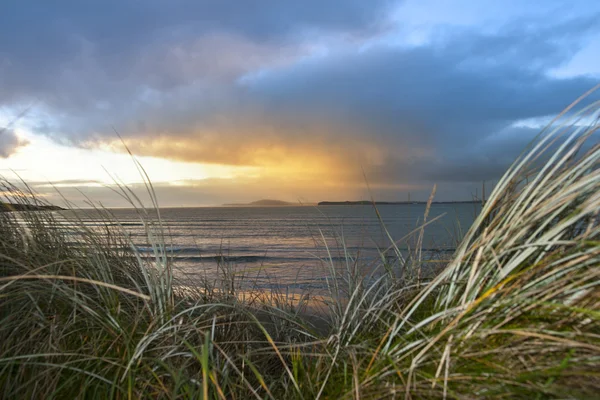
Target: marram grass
x: 515, y: 313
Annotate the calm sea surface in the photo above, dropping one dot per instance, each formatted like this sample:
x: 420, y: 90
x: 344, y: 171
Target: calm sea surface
x: 292, y: 243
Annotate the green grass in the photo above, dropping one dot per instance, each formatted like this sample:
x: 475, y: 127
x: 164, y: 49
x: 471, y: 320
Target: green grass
x: 515, y: 314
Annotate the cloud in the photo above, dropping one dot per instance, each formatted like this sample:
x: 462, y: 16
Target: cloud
x: 62, y: 52
x: 227, y: 83
x: 9, y: 142
x: 76, y: 183
x: 404, y: 114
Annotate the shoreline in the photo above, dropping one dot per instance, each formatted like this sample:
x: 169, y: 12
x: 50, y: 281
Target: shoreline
x: 390, y: 203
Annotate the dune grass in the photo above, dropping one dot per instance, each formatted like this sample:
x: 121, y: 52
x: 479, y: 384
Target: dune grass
x: 515, y: 313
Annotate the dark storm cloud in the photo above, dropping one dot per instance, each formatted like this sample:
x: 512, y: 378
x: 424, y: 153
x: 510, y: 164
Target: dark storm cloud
x: 458, y: 97
x: 444, y: 111
x: 456, y: 84
x: 85, y: 45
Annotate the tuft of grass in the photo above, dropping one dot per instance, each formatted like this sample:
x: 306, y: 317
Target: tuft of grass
x: 515, y: 313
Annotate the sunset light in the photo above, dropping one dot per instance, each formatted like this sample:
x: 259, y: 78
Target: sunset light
x: 375, y: 95
x: 299, y: 199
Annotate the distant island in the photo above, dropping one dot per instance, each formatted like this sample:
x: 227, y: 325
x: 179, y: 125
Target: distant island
x: 263, y: 202
x: 378, y: 203
x: 8, y: 207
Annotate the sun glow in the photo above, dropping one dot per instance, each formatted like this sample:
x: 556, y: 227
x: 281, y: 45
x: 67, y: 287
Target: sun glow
x: 42, y: 160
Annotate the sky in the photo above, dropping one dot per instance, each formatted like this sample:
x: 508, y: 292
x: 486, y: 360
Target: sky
x: 227, y: 101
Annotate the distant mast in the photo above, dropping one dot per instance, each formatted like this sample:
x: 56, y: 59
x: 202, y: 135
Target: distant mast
x: 483, y: 192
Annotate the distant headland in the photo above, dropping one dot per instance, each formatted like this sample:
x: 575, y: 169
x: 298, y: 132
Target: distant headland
x: 378, y: 203
x: 263, y: 203
x: 7, y: 207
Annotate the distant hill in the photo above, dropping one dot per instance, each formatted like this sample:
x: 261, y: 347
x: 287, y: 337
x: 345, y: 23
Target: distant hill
x: 7, y: 207
x: 263, y: 202
x: 368, y: 202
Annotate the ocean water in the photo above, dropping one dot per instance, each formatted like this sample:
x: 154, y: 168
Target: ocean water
x: 291, y: 245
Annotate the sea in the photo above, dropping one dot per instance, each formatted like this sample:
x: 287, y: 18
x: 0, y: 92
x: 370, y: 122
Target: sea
x: 292, y: 246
